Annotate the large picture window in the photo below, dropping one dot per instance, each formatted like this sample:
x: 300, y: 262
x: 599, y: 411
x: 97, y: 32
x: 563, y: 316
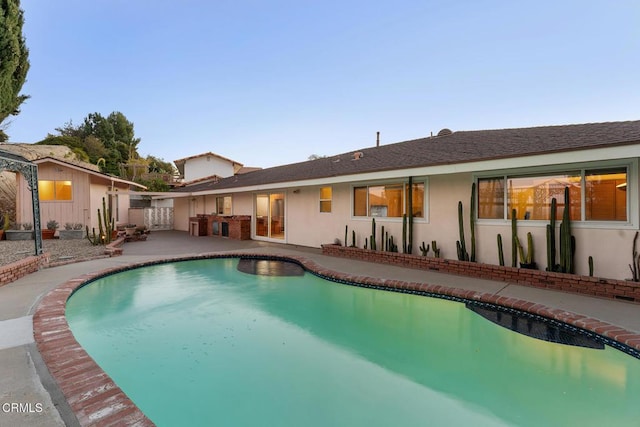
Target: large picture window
x: 388, y: 200
x: 55, y: 190
x: 594, y: 195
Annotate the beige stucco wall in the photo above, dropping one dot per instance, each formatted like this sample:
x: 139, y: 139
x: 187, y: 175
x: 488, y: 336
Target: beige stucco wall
x: 242, y: 204
x: 181, y: 214
x: 307, y: 226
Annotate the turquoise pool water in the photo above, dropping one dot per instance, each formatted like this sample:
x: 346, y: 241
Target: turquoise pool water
x: 198, y: 343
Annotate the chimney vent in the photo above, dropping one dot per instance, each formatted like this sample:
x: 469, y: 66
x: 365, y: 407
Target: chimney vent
x: 378, y: 139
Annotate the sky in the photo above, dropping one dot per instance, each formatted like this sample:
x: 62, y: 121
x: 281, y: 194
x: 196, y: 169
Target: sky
x: 267, y: 83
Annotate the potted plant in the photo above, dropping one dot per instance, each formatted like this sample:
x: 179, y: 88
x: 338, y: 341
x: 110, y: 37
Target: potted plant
x: 20, y: 232
x: 72, y: 231
x: 130, y: 229
x: 50, y: 231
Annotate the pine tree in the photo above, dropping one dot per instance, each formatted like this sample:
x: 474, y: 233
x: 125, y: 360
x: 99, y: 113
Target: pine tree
x: 14, y: 60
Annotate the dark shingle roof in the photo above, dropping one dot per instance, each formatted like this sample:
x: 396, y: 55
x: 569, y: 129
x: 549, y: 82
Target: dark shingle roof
x: 457, y: 147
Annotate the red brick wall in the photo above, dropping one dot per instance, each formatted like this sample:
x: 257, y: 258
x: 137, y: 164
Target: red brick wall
x: 18, y: 269
x: 239, y: 226
x: 607, y: 288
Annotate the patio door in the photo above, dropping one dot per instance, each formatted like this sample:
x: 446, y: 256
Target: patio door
x: 270, y: 216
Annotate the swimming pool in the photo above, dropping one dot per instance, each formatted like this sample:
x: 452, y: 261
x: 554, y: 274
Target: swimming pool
x: 199, y: 343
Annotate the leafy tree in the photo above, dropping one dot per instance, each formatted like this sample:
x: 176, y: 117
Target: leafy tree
x: 159, y: 165
x: 155, y: 184
x: 14, y: 60
x: 109, y: 142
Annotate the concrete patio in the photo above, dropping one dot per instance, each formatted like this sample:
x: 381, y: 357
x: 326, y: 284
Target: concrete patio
x: 24, y: 379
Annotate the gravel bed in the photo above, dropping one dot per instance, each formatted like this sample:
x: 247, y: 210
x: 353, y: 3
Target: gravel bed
x: 59, y: 250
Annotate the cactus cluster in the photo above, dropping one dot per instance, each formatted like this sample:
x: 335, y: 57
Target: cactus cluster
x: 517, y: 250
x: 353, y: 237
x: 104, y: 232
x: 525, y: 259
x: 567, y: 241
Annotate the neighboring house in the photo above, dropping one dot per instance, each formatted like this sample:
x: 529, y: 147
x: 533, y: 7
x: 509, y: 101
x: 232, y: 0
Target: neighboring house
x: 73, y: 192
x: 310, y: 203
x: 206, y: 165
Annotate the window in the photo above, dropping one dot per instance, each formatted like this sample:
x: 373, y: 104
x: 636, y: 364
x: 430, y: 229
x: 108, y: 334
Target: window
x: 388, y: 200
x: 223, y: 205
x: 531, y: 196
x: 55, y: 190
x: 325, y: 199
x: 491, y: 198
x: 604, y: 197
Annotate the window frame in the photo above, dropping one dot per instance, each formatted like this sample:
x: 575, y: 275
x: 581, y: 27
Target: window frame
x: 404, y: 182
x: 55, y: 197
x: 631, y: 166
x: 330, y: 199
x: 222, y: 197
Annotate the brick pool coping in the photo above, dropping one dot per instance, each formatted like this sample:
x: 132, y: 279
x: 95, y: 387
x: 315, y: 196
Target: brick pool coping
x: 96, y: 399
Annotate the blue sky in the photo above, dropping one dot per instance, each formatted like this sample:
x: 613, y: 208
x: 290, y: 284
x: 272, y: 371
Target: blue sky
x: 271, y: 82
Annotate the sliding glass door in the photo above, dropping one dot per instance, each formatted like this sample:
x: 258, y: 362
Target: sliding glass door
x: 270, y: 217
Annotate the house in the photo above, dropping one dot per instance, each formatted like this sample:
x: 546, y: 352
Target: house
x: 72, y: 192
x: 311, y: 202
x: 206, y: 165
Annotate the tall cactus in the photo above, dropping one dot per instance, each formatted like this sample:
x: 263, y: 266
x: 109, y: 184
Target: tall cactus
x: 404, y: 233
x: 552, y: 223
x: 567, y: 241
x: 472, y: 222
x: 461, y: 246
x: 410, y: 218
x: 514, y: 236
x: 108, y: 222
x: 346, y: 231
x: 500, y: 252
x: 372, y: 239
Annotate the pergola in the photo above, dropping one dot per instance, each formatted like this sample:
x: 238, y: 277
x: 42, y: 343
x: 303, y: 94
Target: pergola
x: 14, y: 163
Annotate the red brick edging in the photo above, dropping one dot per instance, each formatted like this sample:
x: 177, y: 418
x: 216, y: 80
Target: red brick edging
x: 97, y: 400
x: 595, y: 286
x: 12, y: 272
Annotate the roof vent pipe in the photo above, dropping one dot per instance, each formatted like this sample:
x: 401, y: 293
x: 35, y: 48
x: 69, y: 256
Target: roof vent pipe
x: 378, y: 139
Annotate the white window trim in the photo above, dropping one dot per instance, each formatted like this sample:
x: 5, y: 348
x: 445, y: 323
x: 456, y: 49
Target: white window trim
x: 416, y: 180
x: 254, y: 235
x: 632, y: 192
x: 320, y: 199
